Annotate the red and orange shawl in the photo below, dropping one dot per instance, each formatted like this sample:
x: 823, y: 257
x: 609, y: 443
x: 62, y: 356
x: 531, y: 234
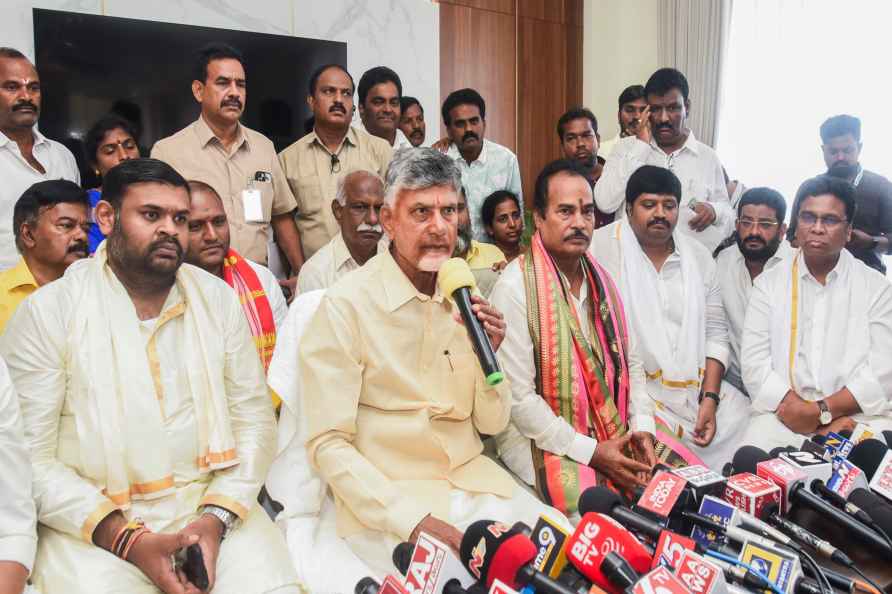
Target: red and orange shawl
x: 239, y: 275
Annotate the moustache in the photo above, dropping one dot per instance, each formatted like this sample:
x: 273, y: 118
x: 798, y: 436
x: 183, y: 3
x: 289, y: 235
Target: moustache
x: 416, y: 132
x: 754, y: 238
x: 577, y: 235
x: 469, y: 135
x: 79, y: 247
x: 231, y: 103
x: 657, y: 221
x: 337, y: 107
x: 664, y: 126
x: 376, y: 228
x: 24, y: 105
x: 168, y: 242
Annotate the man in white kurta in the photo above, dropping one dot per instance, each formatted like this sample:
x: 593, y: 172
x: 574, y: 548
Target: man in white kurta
x: 669, y: 287
x: 663, y: 139
x: 393, y: 394
x: 145, y: 399
x: 532, y: 416
x: 759, y: 245
x: 818, y: 330
x: 18, y: 518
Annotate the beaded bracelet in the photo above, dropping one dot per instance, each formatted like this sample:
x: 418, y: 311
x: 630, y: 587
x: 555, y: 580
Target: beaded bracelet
x: 131, y: 542
x: 124, y: 534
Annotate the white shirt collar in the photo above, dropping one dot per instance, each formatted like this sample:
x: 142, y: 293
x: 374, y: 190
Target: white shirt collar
x: 38, y: 138
x: 691, y: 144
x: 455, y: 155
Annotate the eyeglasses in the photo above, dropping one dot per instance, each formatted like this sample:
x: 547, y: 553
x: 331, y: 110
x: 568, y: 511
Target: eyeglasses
x: 361, y: 210
x: 763, y: 224
x: 335, y: 164
x: 807, y: 219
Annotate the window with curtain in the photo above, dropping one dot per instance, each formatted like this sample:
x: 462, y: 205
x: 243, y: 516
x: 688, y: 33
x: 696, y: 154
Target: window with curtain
x: 790, y: 64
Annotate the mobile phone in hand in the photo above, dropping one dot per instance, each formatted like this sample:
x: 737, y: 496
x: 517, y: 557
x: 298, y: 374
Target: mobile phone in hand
x: 191, y: 562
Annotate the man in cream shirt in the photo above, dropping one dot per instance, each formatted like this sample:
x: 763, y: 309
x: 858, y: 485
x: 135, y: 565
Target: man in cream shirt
x: 394, y: 396
x: 818, y: 330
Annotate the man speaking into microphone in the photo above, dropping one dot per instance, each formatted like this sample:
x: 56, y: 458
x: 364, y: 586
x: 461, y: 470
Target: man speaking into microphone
x: 393, y: 391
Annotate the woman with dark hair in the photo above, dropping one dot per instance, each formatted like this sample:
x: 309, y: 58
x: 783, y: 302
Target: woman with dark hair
x: 503, y: 221
x: 110, y: 141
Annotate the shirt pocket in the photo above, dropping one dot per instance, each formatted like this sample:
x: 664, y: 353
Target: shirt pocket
x: 308, y: 196
x: 267, y: 194
x: 460, y: 382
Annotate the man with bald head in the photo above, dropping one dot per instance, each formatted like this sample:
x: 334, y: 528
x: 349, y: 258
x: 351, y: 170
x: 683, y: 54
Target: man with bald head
x: 259, y: 293
x: 356, y: 207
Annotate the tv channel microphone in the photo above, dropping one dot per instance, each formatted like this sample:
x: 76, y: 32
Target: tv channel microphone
x: 861, y: 432
x: 780, y: 566
x: 595, y: 536
x: 838, y: 446
x: 367, y: 585
x: 491, y: 550
x: 664, y: 494
x: 751, y: 493
x: 618, y: 571
x: 821, y: 490
x: 604, y: 501
x: 875, y: 508
x: 875, y: 459
x: 659, y: 581
x: 699, y: 575
x: 846, y: 478
x: 456, y: 280
x: 392, y: 585
x: 701, y: 481
x: 434, y: 568
x: 812, y: 465
x: 550, y: 539
x: 500, y: 587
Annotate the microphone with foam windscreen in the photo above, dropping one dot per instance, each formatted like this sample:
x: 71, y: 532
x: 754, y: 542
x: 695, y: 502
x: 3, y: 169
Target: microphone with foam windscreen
x: 618, y: 571
x: 431, y: 567
x: 367, y: 585
x: 493, y: 551
x: 456, y: 280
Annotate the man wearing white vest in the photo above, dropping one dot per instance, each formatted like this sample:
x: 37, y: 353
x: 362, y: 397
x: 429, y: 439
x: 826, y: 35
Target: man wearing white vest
x: 669, y: 285
x: 818, y: 330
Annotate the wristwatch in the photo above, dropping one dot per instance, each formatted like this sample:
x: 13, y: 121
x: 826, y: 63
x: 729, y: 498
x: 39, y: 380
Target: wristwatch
x: 875, y: 242
x: 826, y: 417
x: 711, y: 395
x: 229, y: 519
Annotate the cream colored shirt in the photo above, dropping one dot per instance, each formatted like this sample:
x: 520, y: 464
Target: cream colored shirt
x: 394, y: 399
x: 198, y: 155
x: 326, y: 266
x: 18, y: 518
x: 314, y: 178
x: 37, y: 346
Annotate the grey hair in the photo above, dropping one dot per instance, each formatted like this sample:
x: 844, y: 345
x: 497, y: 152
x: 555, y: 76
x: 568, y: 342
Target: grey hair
x: 341, y: 193
x: 419, y: 169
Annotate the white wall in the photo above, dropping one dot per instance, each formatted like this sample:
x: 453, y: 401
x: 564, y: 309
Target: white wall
x: 401, y: 34
x: 619, y: 49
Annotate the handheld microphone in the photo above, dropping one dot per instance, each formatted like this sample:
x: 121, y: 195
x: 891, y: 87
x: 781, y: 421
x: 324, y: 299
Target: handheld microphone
x: 877, y: 510
x: 659, y: 581
x: 455, y: 279
x: 618, y: 571
x: 702, y: 481
x: 846, y: 478
x: 838, y: 446
x: 604, y: 501
x: 595, y: 536
x: 751, y: 493
x: 434, y: 568
x: 861, y: 432
x: 875, y: 459
x: 366, y: 585
x: 664, y: 494
x: 699, y: 575
x: 887, y: 436
x: 550, y: 539
x: 820, y: 489
x: 500, y: 587
x: 491, y: 550
x: 810, y: 464
x: 392, y: 585
x: 402, y: 556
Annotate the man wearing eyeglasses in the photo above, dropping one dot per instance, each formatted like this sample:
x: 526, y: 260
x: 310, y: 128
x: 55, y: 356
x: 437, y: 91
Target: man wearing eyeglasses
x: 817, y: 336
x: 758, y: 245
x: 315, y: 163
x: 872, y: 227
x: 356, y: 207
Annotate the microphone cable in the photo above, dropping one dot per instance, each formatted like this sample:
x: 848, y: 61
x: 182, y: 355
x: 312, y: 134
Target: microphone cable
x: 734, y: 561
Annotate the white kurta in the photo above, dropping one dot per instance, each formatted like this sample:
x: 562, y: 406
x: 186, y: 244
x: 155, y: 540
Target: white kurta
x: 679, y: 321
x: 531, y: 417
x: 736, y: 285
x: 843, y: 339
x: 273, y: 291
x: 326, y: 266
x: 70, y: 500
x: 697, y: 167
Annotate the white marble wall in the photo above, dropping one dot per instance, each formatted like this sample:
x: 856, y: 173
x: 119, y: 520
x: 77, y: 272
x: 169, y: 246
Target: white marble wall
x: 401, y: 34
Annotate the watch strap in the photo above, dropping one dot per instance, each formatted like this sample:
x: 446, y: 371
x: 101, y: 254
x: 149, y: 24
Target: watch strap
x: 711, y: 395
x: 228, y: 518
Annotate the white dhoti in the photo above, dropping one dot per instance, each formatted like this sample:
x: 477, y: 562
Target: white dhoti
x: 375, y: 548
x: 732, y: 420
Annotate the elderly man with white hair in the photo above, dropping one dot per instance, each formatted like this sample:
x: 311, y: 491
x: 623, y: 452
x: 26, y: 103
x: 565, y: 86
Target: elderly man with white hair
x: 356, y: 208
x: 393, y: 395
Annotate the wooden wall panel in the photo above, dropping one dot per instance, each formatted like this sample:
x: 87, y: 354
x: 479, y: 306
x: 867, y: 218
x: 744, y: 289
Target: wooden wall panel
x: 477, y: 50
x: 505, y: 6
x: 543, y: 10
x: 574, y: 64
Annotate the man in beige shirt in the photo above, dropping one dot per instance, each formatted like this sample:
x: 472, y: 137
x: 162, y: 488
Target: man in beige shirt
x: 314, y: 163
x: 239, y: 163
x: 394, y: 396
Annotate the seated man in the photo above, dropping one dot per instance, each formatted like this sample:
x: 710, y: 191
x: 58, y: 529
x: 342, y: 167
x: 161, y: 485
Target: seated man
x: 669, y: 286
x: 18, y: 529
x: 818, y: 334
x: 484, y: 259
x: 143, y: 400
x: 356, y: 207
x: 258, y: 290
x: 50, y: 223
x: 393, y: 394
x: 566, y: 327
x: 756, y: 245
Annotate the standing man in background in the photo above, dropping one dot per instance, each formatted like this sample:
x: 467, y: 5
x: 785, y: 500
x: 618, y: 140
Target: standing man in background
x: 871, y: 229
x: 26, y: 155
x: 578, y: 132
x: 632, y: 103
x: 239, y: 163
x: 380, y: 92
x: 484, y: 165
x: 412, y: 120
x: 314, y: 164
x: 663, y: 139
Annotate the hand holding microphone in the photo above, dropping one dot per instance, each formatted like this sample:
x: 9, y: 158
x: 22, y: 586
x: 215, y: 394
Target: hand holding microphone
x: 485, y: 324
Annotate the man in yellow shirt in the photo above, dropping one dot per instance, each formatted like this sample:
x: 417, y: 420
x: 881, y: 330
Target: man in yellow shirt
x: 394, y: 397
x: 50, y: 224
x: 485, y: 259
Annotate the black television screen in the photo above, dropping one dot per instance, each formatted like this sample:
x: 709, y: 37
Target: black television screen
x: 91, y: 65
